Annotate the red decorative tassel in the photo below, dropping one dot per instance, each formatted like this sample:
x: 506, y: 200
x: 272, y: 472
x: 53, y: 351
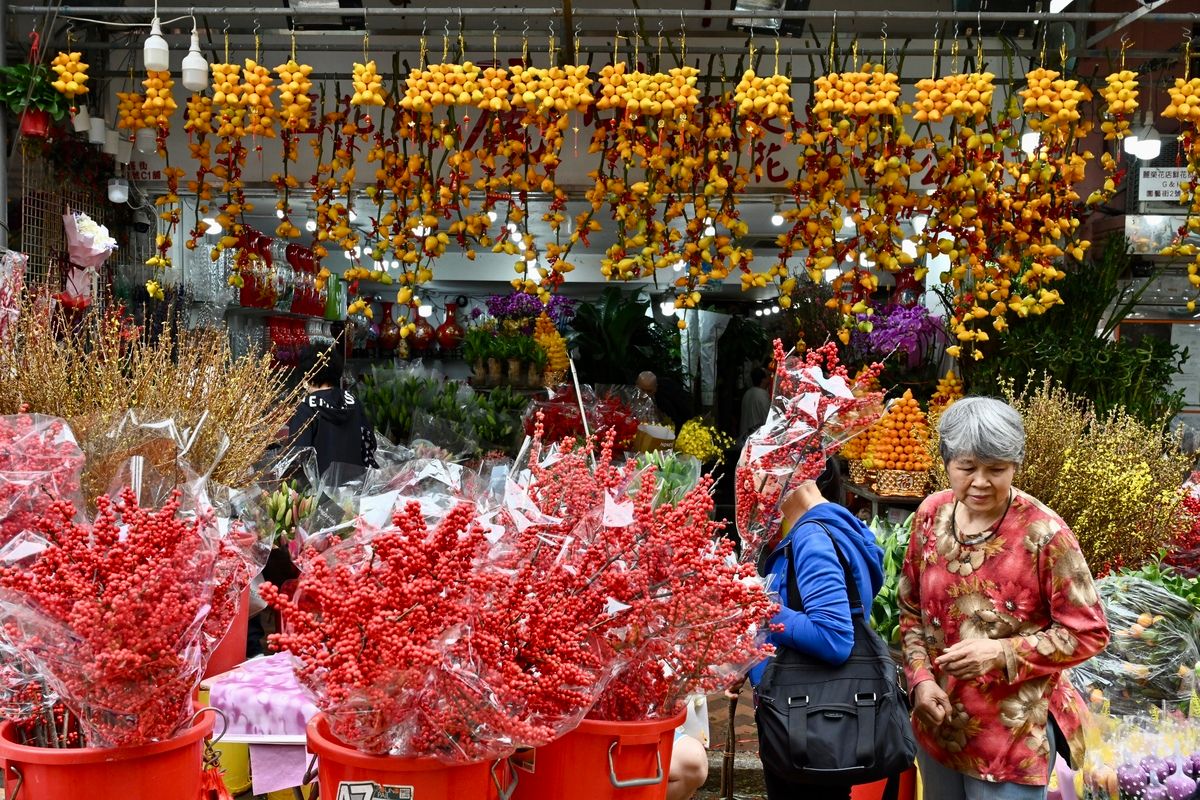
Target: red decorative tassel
x: 212, y: 787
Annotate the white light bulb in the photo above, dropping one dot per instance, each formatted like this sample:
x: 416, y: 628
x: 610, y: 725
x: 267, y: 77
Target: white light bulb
x: 1149, y: 145
x: 353, y: 215
x: 678, y: 266
x: 710, y: 231
x: 96, y: 131
x: 919, y: 222
x: 194, y: 68
x: 1130, y: 144
x: 118, y: 190
x: 420, y: 230
x: 425, y: 311
x: 310, y: 226
x: 1030, y: 142
x: 777, y: 219
x: 848, y: 222
x: 124, y: 149
x: 279, y: 213
x: 212, y: 227
x: 155, y: 53
x: 492, y: 216
x: 758, y: 312
x: 144, y: 140
x: 111, y: 142
x: 832, y: 273
x: 82, y: 120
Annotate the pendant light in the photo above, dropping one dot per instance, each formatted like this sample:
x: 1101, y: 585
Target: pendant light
x: 82, y: 120
x: 155, y: 53
x: 195, y: 67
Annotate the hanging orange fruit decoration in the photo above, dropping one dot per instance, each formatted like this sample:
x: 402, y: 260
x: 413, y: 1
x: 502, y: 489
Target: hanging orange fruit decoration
x: 949, y: 389
x: 1120, y: 95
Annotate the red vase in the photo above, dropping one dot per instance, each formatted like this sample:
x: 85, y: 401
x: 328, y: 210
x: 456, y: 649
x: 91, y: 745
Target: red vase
x: 35, y: 123
x: 450, y: 334
x: 422, y: 337
x: 389, y: 331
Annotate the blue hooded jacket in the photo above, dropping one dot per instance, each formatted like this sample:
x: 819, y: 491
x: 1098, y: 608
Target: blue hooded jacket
x: 824, y: 629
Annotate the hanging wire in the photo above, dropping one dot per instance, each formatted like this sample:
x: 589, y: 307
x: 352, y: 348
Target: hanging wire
x: 883, y: 36
x: 525, y: 45
x: 551, y: 45
x: 1187, y: 54
x: 445, y: 40
x: 225, y: 33
x: 366, y: 35
x: 496, y: 42
x: 424, y: 47
x: 1125, y: 44
x: 257, y: 40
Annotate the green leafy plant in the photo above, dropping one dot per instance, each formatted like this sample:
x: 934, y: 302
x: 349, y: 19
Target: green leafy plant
x: 1175, y: 582
x: 616, y: 339
x: 1073, y: 346
x: 477, y: 345
x: 885, y: 611
x: 28, y: 86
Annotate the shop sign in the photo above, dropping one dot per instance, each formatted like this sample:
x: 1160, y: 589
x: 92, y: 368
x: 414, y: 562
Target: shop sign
x: 1161, y: 183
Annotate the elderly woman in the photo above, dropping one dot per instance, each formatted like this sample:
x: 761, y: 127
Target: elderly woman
x: 996, y: 603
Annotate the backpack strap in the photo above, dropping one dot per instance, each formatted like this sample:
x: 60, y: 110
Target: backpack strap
x: 794, y: 602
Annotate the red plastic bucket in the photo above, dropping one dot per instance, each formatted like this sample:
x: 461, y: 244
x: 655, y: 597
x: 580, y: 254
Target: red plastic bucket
x: 231, y: 650
x: 874, y: 791
x: 169, y: 770
x: 601, y: 760
x: 344, y: 769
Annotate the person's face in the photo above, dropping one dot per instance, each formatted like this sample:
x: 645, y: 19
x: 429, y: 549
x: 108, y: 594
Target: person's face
x: 981, y: 486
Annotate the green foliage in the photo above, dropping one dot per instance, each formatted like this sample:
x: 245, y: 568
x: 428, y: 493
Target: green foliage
x: 1072, y: 346
x: 396, y: 401
x: 885, y: 612
x: 26, y: 84
x: 1175, y: 582
x: 477, y: 345
x: 617, y: 339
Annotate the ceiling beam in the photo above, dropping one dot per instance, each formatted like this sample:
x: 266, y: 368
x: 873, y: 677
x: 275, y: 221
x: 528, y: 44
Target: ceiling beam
x: 1125, y: 21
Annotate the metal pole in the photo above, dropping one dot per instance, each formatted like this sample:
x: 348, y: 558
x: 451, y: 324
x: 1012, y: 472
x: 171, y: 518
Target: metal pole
x: 691, y: 13
x: 3, y: 132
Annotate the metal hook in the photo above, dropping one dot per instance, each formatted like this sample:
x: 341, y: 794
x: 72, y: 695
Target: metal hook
x: 525, y: 30
x: 446, y: 28
x: 225, y: 30
x: 495, y: 27
x: 883, y: 25
x: 423, y: 23
x: 256, y: 26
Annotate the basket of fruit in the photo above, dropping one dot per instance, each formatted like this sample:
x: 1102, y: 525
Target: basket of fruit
x: 897, y: 449
x: 856, y: 471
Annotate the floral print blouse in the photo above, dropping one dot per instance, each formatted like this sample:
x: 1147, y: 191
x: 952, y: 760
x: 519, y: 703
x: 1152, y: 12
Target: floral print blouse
x: 1027, y: 586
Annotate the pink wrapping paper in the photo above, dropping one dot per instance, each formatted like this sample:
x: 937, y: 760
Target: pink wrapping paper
x: 263, y: 702
x: 262, y: 698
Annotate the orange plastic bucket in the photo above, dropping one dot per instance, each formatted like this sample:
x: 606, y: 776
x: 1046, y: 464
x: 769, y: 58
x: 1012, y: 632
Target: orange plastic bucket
x: 601, y: 760
x: 344, y: 769
x: 231, y: 650
x: 874, y: 791
x: 167, y: 770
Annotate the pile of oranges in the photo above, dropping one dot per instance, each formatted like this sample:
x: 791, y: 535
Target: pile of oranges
x: 900, y: 439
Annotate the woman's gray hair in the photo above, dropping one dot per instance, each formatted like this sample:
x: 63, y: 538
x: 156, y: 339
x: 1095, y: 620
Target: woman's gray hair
x: 983, y: 428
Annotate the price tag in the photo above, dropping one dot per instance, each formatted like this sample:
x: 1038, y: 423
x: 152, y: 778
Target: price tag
x: 368, y: 790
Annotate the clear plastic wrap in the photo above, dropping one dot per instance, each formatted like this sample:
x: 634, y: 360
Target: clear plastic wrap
x: 816, y: 407
x: 12, y: 284
x: 111, y: 614
x: 675, y: 474
x: 1152, y: 658
x: 39, y: 463
x: 119, y: 613
x: 1138, y: 758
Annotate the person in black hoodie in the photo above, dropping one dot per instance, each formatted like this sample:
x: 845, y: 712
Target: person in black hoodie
x: 330, y: 419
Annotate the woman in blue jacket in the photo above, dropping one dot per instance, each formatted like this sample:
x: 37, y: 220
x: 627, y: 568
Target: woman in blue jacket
x: 824, y: 629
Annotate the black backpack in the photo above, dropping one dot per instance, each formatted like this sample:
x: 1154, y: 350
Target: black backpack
x: 834, y: 725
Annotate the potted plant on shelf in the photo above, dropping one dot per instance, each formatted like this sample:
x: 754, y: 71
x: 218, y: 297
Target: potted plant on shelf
x: 26, y: 90
x: 477, y: 349
x: 538, y: 359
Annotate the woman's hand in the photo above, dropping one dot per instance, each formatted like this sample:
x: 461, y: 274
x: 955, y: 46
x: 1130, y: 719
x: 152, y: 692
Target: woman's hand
x: 971, y: 658
x: 931, y: 704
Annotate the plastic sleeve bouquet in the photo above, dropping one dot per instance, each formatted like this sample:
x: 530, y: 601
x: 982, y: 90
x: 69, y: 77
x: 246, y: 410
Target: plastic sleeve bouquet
x: 816, y: 407
x: 117, y: 614
x: 559, y: 586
